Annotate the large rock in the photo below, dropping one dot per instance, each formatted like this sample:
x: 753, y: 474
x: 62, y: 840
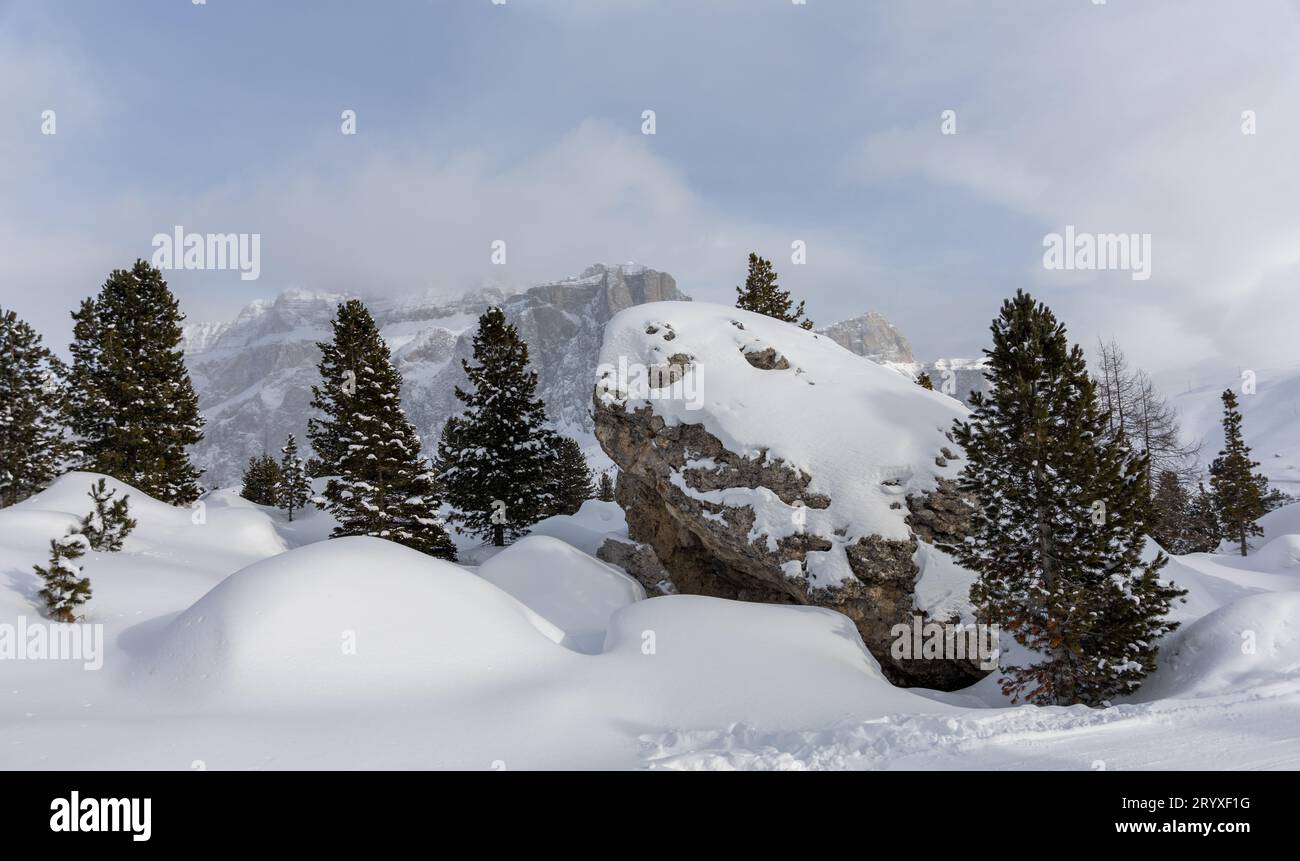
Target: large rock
x: 774, y: 466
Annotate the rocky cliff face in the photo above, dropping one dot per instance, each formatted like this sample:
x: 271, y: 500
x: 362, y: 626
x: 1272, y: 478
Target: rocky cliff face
x: 871, y: 336
x: 793, y: 477
x: 254, y: 374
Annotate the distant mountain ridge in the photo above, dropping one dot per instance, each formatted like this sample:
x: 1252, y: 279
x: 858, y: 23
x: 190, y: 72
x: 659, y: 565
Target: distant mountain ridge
x: 254, y: 374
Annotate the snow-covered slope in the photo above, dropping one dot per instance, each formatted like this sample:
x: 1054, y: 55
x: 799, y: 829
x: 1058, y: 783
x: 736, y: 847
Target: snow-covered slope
x: 222, y: 649
x: 1270, y: 416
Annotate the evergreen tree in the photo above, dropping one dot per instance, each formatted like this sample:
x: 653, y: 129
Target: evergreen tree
x: 1204, y: 532
x: 1172, y: 510
x: 33, y: 448
x: 108, y: 524
x: 496, y: 458
x: 762, y: 294
x: 1236, y: 488
x: 261, y: 478
x: 605, y: 490
x: 65, y: 588
x: 1058, y: 529
x: 924, y: 381
x: 133, y: 407
x: 571, y: 485
x: 293, y: 488
x: 381, y: 485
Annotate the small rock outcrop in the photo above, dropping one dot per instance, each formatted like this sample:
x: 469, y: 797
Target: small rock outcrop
x: 753, y: 492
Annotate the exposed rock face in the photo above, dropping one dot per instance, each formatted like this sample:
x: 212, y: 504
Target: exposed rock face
x: 691, y: 505
x: 872, y: 336
x: 254, y: 375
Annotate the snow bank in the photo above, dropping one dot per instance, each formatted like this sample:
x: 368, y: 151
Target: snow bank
x: 570, y: 589
x: 866, y: 435
x: 1251, y: 644
x: 588, y: 529
x: 345, y: 617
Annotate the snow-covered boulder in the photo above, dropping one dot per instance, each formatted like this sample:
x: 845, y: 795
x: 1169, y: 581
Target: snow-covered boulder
x: 767, y: 463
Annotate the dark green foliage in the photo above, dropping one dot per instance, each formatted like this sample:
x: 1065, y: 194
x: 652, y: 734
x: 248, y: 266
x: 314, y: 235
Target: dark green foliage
x: 1171, y: 511
x: 762, y: 295
x: 1204, y: 532
x: 380, y: 484
x: 571, y: 478
x: 497, y: 459
x: 1058, y: 531
x: 261, y: 477
x: 1237, y: 490
x: 605, y: 489
x: 925, y: 382
x: 65, y: 589
x: 108, y: 524
x: 293, y: 488
x: 132, y: 405
x: 33, y: 447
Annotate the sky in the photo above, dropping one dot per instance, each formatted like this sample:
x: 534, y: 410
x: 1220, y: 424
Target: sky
x: 775, y: 122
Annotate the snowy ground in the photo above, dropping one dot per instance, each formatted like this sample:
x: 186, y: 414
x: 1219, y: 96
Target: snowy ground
x: 244, y: 642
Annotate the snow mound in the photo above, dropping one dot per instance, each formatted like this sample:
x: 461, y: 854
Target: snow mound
x: 867, y: 436
x: 1282, y: 552
x: 586, y: 530
x: 690, y: 660
x: 1251, y: 644
x: 347, y: 617
x: 564, y: 585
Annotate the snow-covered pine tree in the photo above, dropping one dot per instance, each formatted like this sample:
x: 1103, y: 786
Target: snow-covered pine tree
x: 132, y: 405
x: 1236, y: 488
x: 605, y: 489
x: 109, y: 522
x: 496, y: 458
x: 1058, y: 530
x: 924, y: 381
x: 33, y: 447
x: 65, y: 589
x: 762, y: 294
x: 1171, y: 508
x: 572, y: 478
x: 381, y: 485
x: 1203, y: 533
x: 261, y: 477
x: 293, y: 488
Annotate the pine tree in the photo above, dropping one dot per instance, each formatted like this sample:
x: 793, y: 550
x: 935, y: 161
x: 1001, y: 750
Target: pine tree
x: 293, y: 488
x: 65, y: 588
x: 109, y: 522
x: 132, y: 404
x: 381, y: 485
x: 924, y: 381
x: 1058, y: 530
x: 496, y: 458
x: 1236, y: 488
x: 605, y: 490
x: 761, y: 294
x: 1204, y: 532
x: 261, y: 477
x: 1172, y: 509
x: 571, y: 478
x: 33, y: 448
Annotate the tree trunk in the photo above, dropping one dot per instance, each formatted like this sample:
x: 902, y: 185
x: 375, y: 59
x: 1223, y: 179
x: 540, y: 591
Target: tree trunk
x: 498, y: 535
